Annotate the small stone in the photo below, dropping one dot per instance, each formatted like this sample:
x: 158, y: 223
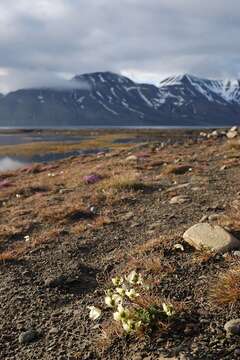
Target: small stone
x: 155, y: 225
x: 52, y: 281
x: 232, y: 134
x: 53, y: 330
x: 64, y: 191
x: 237, y: 352
x: 131, y: 158
x: 180, y: 199
x: 214, y: 217
x: 127, y: 216
x: 232, y: 327
x: 181, y: 169
x: 203, y: 219
x: 234, y: 128
x: 178, y: 247
x: 28, y: 336
x: 215, y: 133
x: 212, y: 237
x: 137, y: 357
x: 178, y: 187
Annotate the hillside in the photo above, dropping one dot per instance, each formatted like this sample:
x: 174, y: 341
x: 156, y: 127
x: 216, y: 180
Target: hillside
x: 67, y: 228
x: 109, y: 99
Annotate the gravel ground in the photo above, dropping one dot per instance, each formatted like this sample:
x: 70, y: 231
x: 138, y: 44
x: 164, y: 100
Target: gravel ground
x: 46, y: 289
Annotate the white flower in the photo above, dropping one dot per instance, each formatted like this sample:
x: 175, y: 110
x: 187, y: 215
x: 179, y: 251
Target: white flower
x: 127, y: 326
x: 134, y: 278
x: 168, y: 309
x: 95, y: 312
x: 27, y: 238
x: 121, y: 291
x: 113, y: 300
x: 121, y: 314
x: 132, y: 294
x: 131, y: 325
x: 118, y: 280
x: 18, y: 196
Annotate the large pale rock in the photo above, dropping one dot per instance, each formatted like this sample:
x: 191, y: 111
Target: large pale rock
x: 212, y: 237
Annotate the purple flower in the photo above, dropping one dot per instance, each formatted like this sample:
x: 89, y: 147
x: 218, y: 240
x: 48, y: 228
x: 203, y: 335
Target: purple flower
x: 92, y: 178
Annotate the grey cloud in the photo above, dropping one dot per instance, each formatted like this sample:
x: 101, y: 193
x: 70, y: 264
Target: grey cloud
x: 155, y: 36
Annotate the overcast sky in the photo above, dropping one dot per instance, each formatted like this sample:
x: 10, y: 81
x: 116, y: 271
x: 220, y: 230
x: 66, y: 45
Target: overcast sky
x: 44, y: 41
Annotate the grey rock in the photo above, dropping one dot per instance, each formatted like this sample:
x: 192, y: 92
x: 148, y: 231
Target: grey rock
x: 232, y: 327
x: 212, y: 237
x: 28, y: 336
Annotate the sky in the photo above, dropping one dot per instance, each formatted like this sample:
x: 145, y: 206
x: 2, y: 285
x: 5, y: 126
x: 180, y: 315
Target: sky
x: 46, y: 42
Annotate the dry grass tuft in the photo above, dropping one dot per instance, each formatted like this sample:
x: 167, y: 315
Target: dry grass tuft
x: 202, y: 257
x: 232, y: 145
x: 8, y: 255
x: 151, y: 265
x: 123, y: 182
x: 149, y: 246
x: 226, y: 290
x: 110, y: 332
x: 176, y: 169
x: 14, y: 252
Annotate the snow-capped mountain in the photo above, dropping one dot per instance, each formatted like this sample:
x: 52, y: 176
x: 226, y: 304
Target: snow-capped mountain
x: 105, y: 98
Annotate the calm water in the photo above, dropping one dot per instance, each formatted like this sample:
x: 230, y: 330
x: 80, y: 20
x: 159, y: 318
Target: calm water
x: 12, y: 163
x: 22, y: 138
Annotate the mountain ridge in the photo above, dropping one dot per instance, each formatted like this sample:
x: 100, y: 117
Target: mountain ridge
x: 110, y: 99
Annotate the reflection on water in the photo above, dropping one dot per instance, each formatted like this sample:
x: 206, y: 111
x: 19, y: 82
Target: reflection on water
x: 15, y: 139
x: 13, y: 163
x: 8, y: 164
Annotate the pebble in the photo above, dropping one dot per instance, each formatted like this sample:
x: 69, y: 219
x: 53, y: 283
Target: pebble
x: 53, y: 281
x: 53, y: 330
x: 127, y: 216
x: 28, y: 336
x: 212, y: 237
x: 177, y: 187
x: 155, y: 225
x: 203, y: 218
x: 214, y: 217
x: 180, y: 199
x: 232, y: 134
x: 131, y: 158
x: 232, y: 327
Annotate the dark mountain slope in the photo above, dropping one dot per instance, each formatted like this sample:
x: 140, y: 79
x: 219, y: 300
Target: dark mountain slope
x: 105, y: 98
